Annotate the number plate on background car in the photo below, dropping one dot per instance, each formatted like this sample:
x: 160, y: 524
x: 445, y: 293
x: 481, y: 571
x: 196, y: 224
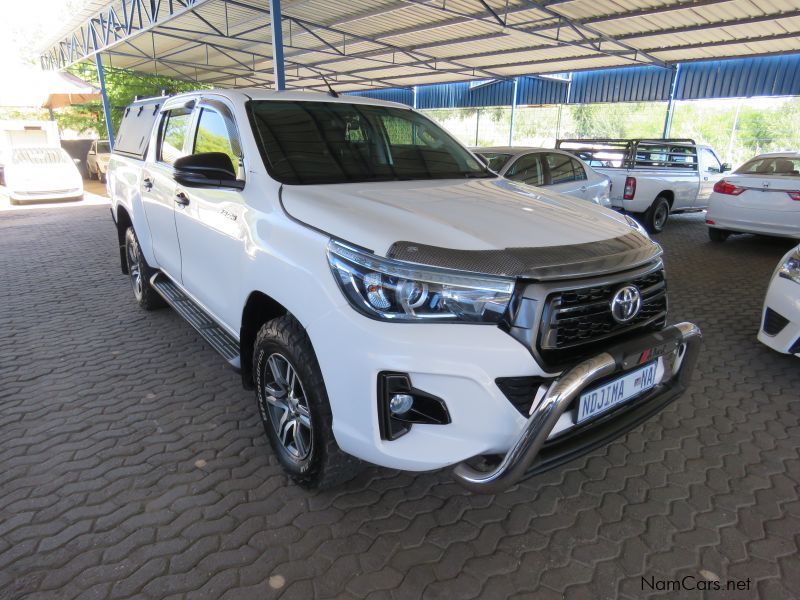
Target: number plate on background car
x: 613, y: 393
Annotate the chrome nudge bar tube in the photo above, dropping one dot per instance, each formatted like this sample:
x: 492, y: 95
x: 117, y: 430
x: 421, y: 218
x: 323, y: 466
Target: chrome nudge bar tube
x: 682, y: 339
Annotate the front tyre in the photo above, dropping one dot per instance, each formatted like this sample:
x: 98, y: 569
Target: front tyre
x: 140, y: 274
x: 294, y: 406
x: 655, y: 219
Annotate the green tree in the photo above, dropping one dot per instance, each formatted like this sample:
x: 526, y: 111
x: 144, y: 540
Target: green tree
x: 122, y: 87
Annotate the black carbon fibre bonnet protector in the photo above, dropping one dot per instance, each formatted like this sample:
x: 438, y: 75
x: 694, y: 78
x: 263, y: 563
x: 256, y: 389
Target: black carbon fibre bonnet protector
x: 547, y: 263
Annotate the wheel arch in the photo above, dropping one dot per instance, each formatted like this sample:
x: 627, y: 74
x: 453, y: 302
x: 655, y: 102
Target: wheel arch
x: 669, y: 195
x: 258, y: 309
x: 123, y: 222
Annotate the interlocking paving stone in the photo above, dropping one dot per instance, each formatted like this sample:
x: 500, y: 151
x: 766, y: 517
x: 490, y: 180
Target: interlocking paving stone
x: 132, y: 464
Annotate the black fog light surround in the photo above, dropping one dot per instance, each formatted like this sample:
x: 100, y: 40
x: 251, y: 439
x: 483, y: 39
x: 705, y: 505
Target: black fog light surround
x: 400, y: 406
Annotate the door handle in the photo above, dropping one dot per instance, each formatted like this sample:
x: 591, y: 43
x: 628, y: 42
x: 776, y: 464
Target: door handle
x: 147, y: 184
x: 181, y: 198
x: 583, y: 188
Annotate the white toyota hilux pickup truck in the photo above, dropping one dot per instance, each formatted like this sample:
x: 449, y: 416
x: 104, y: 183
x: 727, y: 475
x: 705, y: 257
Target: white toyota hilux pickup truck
x: 389, y: 299
x: 652, y: 179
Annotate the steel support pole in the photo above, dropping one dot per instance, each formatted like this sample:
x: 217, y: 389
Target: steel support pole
x: 513, y: 113
x: 106, y: 107
x: 670, y: 103
x: 277, y: 43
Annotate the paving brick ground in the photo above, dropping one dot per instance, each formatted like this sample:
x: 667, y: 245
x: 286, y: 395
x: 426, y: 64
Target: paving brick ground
x: 132, y: 464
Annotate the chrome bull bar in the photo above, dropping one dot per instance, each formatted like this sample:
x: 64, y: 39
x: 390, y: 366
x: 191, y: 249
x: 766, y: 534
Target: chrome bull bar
x: 565, y: 389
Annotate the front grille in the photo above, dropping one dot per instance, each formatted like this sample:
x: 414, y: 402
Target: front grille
x: 575, y: 319
x: 774, y: 322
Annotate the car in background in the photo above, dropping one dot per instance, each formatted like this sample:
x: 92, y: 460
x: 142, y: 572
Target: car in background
x: 97, y: 160
x: 552, y: 169
x: 36, y: 174
x: 652, y: 178
x: 780, y: 327
x: 762, y: 196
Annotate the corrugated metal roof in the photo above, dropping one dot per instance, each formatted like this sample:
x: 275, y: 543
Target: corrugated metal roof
x: 364, y: 44
x: 768, y: 76
x: 634, y: 84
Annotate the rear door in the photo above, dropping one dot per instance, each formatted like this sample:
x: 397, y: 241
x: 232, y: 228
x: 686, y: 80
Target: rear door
x: 564, y: 174
x: 527, y: 169
x: 159, y: 187
x: 210, y: 224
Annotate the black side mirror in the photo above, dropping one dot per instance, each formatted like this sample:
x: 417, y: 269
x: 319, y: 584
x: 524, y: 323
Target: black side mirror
x: 207, y: 170
x: 726, y: 167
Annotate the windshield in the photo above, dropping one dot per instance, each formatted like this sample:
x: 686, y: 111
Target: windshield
x: 103, y: 148
x: 330, y: 142
x: 496, y: 160
x: 772, y: 165
x: 39, y: 156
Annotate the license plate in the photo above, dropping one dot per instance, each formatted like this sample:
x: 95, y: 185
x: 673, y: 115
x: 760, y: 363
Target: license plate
x: 607, y: 396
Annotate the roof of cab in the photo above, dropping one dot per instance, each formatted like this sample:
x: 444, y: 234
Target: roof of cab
x: 514, y: 150
x: 244, y: 94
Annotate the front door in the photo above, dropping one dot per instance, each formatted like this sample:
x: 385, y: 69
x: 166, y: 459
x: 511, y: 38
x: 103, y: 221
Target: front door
x: 210, y: 221
x: 710, y: 172
x: 159, y: 187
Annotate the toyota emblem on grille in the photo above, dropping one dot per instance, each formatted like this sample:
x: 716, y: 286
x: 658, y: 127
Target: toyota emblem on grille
x: 626, y: 303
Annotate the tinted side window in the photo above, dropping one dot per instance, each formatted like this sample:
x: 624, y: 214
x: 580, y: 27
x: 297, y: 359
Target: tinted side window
x: 561, y: 169
x: 577, y: 168
x: 173, y: 135
x: 527, y: 169
x: 216, y: 133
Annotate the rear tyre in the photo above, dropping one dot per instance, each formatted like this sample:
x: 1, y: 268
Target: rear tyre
x: 655, y: 219
x: 101, y: 176
x: 294, y: 407
x: 718, y: 235
x: 140, y: 273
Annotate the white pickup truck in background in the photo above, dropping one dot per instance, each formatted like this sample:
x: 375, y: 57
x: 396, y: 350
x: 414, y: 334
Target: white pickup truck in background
x: 652, y: 178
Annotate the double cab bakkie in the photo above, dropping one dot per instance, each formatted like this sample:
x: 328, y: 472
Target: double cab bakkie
x: 653, y: 178
x: 390, y: 299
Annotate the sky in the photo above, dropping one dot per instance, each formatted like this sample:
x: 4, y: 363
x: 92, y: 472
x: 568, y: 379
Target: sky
x: 26, y: 26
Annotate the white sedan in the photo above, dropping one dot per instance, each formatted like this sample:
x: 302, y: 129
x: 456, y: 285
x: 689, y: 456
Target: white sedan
x: 552, y: 169
x: 37, y: 174
x: 762, y: 196
x: 780, y: 326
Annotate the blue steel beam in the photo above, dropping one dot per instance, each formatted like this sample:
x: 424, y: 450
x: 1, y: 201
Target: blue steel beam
x: 276, y: 22
x: 106, y: 107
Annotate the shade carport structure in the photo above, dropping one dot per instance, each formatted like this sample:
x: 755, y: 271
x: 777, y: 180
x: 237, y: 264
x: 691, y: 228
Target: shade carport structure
x: 361, y: 45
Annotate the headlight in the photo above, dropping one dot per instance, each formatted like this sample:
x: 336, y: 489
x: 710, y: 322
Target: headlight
x: 790, y: 269
x: 394, y: 290
x: 637, y: 226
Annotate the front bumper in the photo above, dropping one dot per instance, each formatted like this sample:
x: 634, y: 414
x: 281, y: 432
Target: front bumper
x: 45, y: 195
x: 532, y: 452
x: 783, y: 297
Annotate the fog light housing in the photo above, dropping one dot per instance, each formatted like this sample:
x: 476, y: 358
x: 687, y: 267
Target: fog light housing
x: 400, y: 405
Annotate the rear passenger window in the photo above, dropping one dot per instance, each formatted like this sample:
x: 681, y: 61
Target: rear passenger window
x: 577, y: 168
x: 173, y: 135
x: 562, y: 169
x: 216, y: 133
x: 527, y: 169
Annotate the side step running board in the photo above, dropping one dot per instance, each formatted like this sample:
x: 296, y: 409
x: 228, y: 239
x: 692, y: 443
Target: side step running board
x: 213, y: 333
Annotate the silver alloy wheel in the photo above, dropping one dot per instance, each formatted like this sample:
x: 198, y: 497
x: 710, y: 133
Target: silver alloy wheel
x: 288, y: 407
x: 135, y: 270
x: 660, y: 218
